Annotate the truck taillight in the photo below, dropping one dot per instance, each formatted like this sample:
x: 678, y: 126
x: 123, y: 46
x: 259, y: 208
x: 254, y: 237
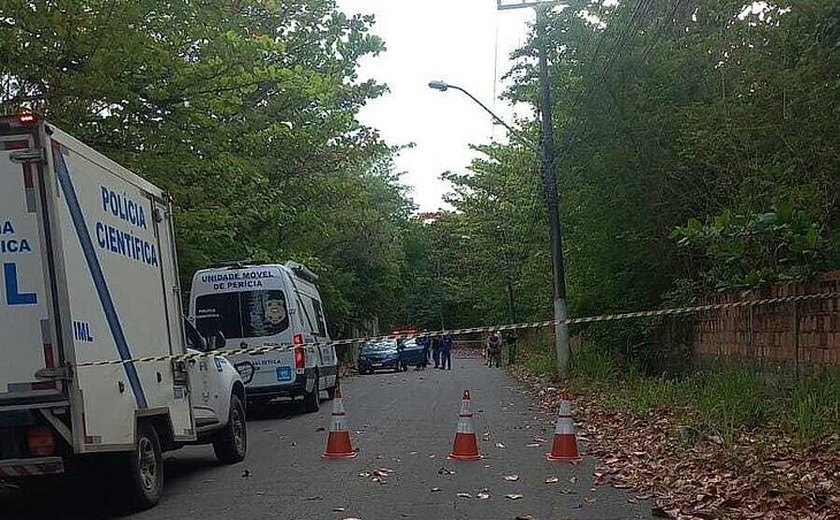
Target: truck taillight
x: 297, y: 340
x: 300, y: 358
x: 39, y: 440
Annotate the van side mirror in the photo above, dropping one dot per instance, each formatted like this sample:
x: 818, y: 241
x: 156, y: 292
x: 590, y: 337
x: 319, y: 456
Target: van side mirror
x: 216, y: 341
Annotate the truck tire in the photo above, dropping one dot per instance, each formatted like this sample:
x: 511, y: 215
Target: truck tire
x: 331, y: 391
x: 231, y: 444
x: 312, y: 400
x: 141, y: 484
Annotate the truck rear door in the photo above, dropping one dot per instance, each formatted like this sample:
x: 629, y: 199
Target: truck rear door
x: 27, y: 320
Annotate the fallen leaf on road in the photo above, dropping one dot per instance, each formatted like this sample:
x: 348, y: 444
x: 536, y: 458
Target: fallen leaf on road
x: 525, y: 517
x: 533, y: 445
x: 436, y: 490
x: 590, y: 500
x: 483, y: 495
x: 513, y: 496
x: 316, y: 497
x: 573, y: 479
x: 320, y: 429
x: 552, y: 480
x: 445, y: 471
x: 511, y: 478
x: 246, y: 473
x: 540, y: 439
x: 464, y: 495
x: 338, y: 510
x: 500, y: 445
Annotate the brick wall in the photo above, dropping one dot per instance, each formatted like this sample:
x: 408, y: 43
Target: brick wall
x: 803, y: 334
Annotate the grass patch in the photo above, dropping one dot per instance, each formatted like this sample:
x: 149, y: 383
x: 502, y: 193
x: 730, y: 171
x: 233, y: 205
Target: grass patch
x: 723, y: 402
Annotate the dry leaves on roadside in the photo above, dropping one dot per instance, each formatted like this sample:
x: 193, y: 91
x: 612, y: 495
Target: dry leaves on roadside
x: 688, y: 477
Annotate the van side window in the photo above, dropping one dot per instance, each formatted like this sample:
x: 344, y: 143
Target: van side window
x: 319, y: 318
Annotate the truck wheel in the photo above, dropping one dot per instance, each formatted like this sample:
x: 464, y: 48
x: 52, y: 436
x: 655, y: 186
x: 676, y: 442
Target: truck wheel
x: 231, y: 444
x: 312, y: 400
x: 143, y: 471
x: 331, y: 391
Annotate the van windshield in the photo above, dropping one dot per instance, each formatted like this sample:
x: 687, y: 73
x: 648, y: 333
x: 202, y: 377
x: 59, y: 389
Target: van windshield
x: 248, y: 314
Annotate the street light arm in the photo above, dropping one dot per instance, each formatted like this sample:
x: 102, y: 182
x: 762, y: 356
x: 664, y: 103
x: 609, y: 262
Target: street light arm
x: 518, y: 136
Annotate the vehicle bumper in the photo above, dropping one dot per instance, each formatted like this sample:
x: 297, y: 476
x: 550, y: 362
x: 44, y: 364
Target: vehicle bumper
x: 388, y: 364
x: 22, y: 468
x: 300, y: 386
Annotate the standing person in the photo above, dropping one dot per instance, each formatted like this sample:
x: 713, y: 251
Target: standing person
x: 446, y: 352
x: 423, y: 341
x: 494, y: 350
x: 435, y: 344
x: 512, y: 340
x: 401, y: 355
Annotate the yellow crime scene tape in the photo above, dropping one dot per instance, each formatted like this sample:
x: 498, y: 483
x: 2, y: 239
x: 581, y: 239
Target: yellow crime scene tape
x: 269, y: 348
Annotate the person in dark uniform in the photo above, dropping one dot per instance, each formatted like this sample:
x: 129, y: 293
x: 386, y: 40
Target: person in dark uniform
x: 446, y: 344
x: 435, y: 344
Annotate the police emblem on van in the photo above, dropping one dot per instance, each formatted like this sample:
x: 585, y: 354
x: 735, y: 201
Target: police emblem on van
x: 275, y: 311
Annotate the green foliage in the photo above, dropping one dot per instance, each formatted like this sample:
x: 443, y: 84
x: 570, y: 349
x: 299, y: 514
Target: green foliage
x: 747, y: 251
x: 593, y: 364
x: 815, y: 407
x: 666, y: 113
x: 539, y: 359
x: 245, y: 111
x: 731, y: 399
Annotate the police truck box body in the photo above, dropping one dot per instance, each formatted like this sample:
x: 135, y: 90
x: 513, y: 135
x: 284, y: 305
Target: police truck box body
x: 260, y: 305
x: 89, y: 281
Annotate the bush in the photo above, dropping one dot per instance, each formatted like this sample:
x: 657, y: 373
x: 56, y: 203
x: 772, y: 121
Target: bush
x: 592, y: 364
x: 732, y: 398
x: 815, y: 408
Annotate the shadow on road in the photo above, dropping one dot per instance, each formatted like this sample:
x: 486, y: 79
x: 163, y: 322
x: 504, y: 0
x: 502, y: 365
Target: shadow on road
x: 83, y: 497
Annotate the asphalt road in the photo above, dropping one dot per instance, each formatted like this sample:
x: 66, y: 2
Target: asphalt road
x: 404, y: 423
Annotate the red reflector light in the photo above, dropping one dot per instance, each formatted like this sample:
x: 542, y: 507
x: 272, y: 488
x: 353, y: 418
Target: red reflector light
x: 297, y: 340
x: 300, y: 358
x: 40, y: 441
x: 27, y: 118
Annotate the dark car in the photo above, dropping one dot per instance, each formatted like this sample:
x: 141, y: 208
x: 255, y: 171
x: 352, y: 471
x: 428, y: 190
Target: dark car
x: 383, y: 355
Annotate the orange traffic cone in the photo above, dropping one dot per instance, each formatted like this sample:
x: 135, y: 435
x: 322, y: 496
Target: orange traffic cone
x: 565, y: 442
x: 466, y: 443
x: 338, y: 442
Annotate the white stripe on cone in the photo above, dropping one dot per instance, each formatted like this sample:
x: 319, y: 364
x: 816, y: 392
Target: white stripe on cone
x: 565, y: 426
x: 565, y: 408
x: 338, y: 423
x: 465, y: 425
x: 338, y: 406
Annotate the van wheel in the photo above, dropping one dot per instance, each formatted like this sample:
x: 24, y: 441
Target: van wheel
x: 142, y: 472
x: 312, y: 400
x: 231, y: 444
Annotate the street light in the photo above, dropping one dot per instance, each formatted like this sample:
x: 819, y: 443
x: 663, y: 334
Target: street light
x: 561, y: 329
x: 443, y: 86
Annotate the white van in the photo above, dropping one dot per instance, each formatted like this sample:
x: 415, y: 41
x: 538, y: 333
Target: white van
x: 89, y: 285
x: 258, y: 305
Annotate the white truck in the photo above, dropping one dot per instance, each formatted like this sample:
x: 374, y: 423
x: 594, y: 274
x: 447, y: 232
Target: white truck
x: 257, y: 305
x: 89, y: 283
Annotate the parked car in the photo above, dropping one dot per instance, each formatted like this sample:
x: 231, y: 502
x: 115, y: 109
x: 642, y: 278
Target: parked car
x: 378, y: 355
x: 383, y: 355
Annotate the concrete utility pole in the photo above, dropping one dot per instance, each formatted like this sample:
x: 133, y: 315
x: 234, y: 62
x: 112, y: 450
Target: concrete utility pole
x: 561, y: 331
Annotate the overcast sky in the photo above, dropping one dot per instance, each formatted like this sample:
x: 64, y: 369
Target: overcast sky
x: 463, y: 42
